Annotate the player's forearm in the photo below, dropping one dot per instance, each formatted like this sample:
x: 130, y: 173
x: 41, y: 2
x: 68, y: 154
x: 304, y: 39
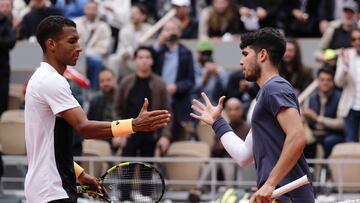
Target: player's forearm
x: 103, y: 129
x: 292, y: 150
x: 95, y: 129
x: 239, y: 150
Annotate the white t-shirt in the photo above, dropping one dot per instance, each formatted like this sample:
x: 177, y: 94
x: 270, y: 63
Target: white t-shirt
x: 356, y: 103
x: 48, y: 93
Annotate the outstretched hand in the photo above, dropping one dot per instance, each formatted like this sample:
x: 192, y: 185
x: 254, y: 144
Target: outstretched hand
x: 150, y: 120
x: 207, y: 112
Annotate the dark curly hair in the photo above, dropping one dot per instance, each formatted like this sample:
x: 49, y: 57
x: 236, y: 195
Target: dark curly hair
x: 269, y: 39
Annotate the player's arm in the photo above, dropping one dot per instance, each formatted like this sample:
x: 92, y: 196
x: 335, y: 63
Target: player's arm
x: 290, y: 121
x: 295, y: 141
x: 146, y: 121
x: 239, y: 150
x: 84, y: 178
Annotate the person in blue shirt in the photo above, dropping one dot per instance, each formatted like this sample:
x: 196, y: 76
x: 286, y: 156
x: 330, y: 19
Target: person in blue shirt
x: 277, y: 138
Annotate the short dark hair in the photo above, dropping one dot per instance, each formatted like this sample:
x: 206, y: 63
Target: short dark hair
x: 147, y: 48
x: 269, y: 39
x: 141, y: 8
x: 51, y: 27
x: 105, y: 69
x: 327, y: 70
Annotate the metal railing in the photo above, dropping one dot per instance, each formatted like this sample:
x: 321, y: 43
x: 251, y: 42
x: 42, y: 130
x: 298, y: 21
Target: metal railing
x: 210, y: 165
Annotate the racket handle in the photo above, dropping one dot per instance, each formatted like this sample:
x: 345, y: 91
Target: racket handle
x: 291, y: 186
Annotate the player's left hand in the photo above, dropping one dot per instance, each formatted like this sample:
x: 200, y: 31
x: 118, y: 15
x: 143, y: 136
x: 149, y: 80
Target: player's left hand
x: 207, y: 112
x: 263, y: 195
x: 86, y: 179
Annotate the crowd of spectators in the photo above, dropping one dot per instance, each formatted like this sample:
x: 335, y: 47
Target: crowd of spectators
x: 167, y: 73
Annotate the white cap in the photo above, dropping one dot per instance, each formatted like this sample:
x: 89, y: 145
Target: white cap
x: 180, y: 2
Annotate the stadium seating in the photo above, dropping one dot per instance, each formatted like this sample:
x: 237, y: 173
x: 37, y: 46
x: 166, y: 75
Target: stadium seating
x: 12, y: 138
x: 183, y: 170
x: 350, y: 172
x: 15, y: 115
x: 96, y: 148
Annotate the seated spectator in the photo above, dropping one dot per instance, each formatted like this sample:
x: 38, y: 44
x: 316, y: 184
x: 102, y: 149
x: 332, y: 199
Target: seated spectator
x: 300, y: 18
x: 189, y: 25
x: 241, y: 89
x: 338, y: 34
x: 120, y: 62
x: 219, y: 19
x: 321, y: 112
x: 156, y: 8
x: 257, y: 14
x: 330, y: 10
x: 94, y: 36
x: 71, y: 9
x: 6, y: 9
x: 210, y: 77
x: 101, y: 105
x: 7, y: 42
x: 176, y: 66
x: 292, y: 69
x: 40, y: 9
x: 116, y: 13
x: 347, y: 77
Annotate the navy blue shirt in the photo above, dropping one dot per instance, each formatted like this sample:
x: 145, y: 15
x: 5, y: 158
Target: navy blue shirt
x: 269, y: 138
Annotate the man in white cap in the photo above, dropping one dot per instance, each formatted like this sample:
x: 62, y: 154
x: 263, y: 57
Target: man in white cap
x: 189, y: 25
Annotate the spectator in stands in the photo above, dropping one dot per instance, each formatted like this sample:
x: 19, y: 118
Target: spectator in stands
x: 7, y: 42
x: 71, y: 8
x: 219, y: 19
x: 347, y: 77
x: 95, y: 37
x: 40, y: 9
x: 300, y: 18
x: 330, y: 10
x: 338, y: 34
x: 257, y: 14
x: 20, y: 8
x: 321, y: 112
x: 120, y: 62
x: 176, y: 66
x: 116, y: 13
x: 234, y: 111
x: 210, y: 77
x: 241, y: 89
x: 189, y: 25
x: 6, y: 8
x: 134, y: 88
x: 292, y: 69
x: 156, y: 8
x: 101, y: 105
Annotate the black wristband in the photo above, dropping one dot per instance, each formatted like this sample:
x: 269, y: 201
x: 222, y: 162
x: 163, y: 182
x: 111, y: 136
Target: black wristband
x: 220, y: 126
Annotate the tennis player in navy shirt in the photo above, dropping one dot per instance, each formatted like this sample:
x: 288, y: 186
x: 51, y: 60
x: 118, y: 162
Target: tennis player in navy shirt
x: 277, y: 138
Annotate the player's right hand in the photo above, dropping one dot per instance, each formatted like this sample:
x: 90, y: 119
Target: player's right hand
x: 208, y: 113
x: 150, y: 120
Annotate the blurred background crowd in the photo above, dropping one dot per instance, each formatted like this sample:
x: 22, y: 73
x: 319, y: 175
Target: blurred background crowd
x: 122, y: 68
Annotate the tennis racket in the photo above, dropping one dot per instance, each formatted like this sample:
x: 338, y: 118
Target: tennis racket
x: 129, y: 181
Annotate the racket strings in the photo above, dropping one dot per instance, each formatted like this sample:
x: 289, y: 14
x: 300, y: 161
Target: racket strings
x: 137, y: 183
